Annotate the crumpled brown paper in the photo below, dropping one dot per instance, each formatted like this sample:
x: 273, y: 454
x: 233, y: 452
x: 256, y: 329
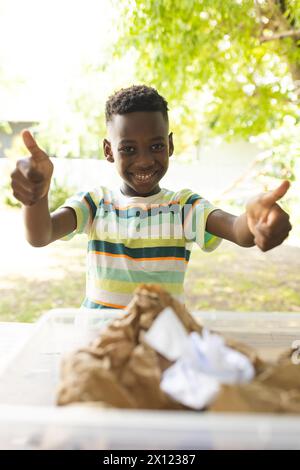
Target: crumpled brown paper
x: 276, y: 389
x: 256, y: 397
x: 119, y: 369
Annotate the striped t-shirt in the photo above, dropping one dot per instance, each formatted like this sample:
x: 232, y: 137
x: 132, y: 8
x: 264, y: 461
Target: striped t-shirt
x: 133, y: 240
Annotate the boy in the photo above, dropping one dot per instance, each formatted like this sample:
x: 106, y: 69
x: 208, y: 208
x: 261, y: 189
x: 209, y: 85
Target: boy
x: 126, y: 246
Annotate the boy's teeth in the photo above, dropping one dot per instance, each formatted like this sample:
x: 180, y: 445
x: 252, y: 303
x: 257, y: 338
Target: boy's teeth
x: 143, y: 177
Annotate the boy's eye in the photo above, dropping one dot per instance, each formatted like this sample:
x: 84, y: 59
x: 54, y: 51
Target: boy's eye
x: 158, y: 147
x: 130, y: 150
x: 127, y: 149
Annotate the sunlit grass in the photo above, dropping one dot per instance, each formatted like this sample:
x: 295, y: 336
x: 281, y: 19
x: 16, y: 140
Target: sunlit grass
x: 239, y: 279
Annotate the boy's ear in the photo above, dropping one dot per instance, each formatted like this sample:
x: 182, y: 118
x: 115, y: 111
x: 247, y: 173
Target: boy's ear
x: 107, y: 151
x: 171, y: 144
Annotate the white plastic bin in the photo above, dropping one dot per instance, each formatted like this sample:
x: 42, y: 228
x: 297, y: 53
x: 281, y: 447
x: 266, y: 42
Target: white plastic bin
x: 29, y: 418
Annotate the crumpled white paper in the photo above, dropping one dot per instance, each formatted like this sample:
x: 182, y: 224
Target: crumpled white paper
x: 167, y: 335
x: 214, y: 358
x: 194, y: 379
x: 185, y: 383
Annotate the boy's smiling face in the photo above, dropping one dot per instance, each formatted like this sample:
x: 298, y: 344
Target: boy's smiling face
x: 140, y: 146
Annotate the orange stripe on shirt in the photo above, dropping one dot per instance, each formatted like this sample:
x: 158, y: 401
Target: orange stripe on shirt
x: 137, y: 259
x: 106, y: 304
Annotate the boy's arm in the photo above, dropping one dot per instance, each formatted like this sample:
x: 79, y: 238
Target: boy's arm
x: 42, y: 227
x: 30, y: 182
x: 228, y: 226
x: 263, y: 224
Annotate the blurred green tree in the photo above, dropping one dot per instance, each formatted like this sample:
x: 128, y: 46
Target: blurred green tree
x: 230, y: 68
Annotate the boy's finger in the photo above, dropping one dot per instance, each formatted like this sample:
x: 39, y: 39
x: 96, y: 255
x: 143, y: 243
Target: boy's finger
x: 34, y: 175
x: 25, y: 192
x: 22, y: 196
x: 264, y: 229
x: 272, y: 196
x: 18, y: 176
x: 27, y: 167
x: 27, y: 184
x: 274, y: 232
x: 31, y: 145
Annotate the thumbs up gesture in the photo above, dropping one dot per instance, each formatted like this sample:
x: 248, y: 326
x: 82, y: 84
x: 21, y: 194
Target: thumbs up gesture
x: 31, y: 178
x: 268, y: 223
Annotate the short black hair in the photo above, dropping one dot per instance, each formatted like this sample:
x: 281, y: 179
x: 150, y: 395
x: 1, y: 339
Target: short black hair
x: 135, y: 98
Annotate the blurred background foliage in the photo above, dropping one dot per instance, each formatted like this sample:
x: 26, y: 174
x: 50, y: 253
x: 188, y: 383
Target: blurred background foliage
x: 228, y: 68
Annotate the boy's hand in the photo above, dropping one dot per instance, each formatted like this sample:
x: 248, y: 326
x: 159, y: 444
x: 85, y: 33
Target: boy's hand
x: 31, y: 178
x: 268, y: 223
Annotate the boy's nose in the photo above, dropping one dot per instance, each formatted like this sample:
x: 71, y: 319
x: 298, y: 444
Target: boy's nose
x: 144, y: 160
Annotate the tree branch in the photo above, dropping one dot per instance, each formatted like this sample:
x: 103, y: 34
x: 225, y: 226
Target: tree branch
x: 241, y: 177
x: 292, y: 33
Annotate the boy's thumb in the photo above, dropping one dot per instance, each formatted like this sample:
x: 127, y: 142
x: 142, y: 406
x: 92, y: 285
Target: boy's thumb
x: 272, y: 196
x: 31, y: 145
